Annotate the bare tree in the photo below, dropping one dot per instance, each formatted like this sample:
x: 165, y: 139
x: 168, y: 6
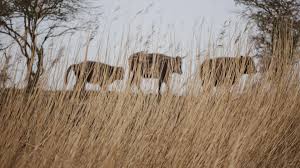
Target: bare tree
x: 4, y: 75
x: 278, y: 25
x: 31, y: 23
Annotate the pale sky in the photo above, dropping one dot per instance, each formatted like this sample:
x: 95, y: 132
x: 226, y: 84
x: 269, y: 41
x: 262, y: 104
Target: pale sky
x: 168, y: 11
x: 138, y: 18
x: 180, y: 17
x: 166, y: 22
x: 173, y: 11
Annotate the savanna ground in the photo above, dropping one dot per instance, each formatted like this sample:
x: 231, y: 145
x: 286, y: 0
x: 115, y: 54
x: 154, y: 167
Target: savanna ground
x: 256, y: 127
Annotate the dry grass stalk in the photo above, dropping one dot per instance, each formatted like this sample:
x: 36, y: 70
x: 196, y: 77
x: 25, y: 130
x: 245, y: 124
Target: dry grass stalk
x: 222, y: 127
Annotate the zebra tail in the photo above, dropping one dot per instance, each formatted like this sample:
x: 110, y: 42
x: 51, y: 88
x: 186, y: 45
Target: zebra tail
x: 67, y: 74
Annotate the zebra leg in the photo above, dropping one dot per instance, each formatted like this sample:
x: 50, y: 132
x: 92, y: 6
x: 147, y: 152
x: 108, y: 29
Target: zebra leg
x: 136, y: 80
x: 79, y: 88
x: 164, y: 75
x: 77, y: 85
x: 138, y: 83
x: 104, y: 87
x: 162, y: 79
x: 167, y: 82
x: 160, y: 82
x: 132, y: 78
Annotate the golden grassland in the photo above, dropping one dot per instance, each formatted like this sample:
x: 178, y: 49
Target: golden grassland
x: 258, y: 127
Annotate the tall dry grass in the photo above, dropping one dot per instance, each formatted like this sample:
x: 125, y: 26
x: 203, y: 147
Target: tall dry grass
x: 222, y: 128
x: 254, y: 126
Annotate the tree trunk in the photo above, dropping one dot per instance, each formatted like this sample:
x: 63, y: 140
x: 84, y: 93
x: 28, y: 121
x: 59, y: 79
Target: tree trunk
x: 33, y: 77
x: 32, y: 82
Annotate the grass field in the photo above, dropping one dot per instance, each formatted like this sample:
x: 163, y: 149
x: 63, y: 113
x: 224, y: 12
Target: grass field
x: 258, y: 127
x: 252, y: 124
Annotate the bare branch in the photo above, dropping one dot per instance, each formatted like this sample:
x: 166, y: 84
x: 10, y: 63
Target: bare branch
x: 31, y: 23
x: 269, y: 16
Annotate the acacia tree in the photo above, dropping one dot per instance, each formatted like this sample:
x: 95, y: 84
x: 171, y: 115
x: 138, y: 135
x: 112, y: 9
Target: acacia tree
x: 278, y: 25
x: 31, y: 23
x: 4, y: 76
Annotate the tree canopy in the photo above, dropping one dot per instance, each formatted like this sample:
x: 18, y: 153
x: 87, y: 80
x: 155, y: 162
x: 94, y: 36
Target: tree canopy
x: 31, y: 23
x: 276, y: 20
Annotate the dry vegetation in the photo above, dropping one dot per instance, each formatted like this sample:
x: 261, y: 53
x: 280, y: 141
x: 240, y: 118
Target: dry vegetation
x: 258, y: 127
